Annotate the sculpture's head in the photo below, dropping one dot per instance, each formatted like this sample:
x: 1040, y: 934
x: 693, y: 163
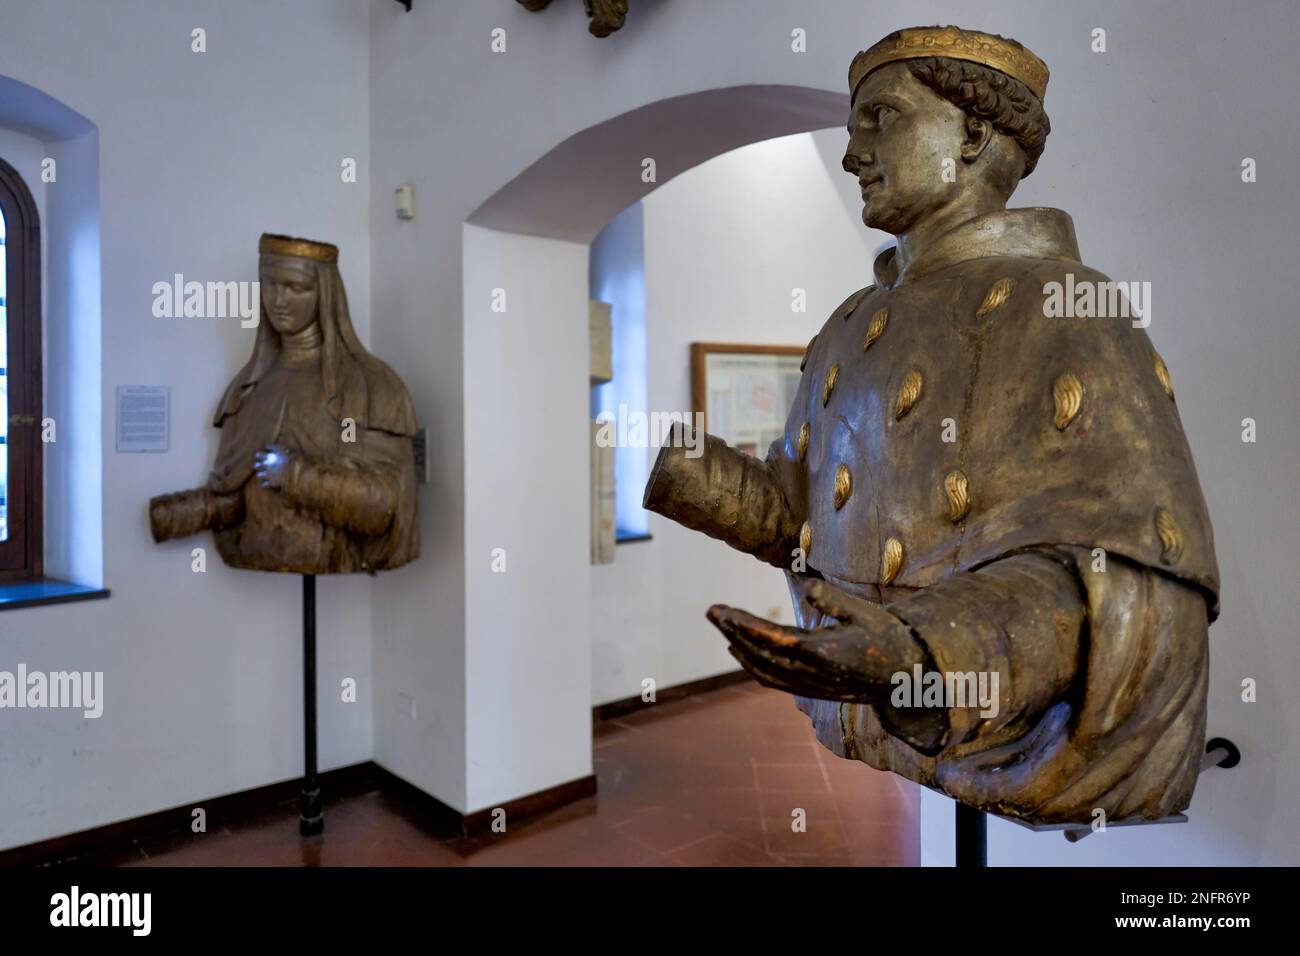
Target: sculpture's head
x: 288, y: 272
x: 938, y: 115
x: 301, y: 288
x: 289, y: 293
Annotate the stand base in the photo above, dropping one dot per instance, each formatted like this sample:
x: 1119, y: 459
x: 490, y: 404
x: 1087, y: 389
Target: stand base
x: 311, y: 820
x: 972, y: 837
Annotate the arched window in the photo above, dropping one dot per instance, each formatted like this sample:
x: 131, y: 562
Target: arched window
x: 20, y: 380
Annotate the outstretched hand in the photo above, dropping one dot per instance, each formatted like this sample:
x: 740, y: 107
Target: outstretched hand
x: 853, y: 659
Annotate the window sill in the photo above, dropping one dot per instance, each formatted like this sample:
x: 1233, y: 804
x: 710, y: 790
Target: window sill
x: 43, y: 591
x: 631, y: 538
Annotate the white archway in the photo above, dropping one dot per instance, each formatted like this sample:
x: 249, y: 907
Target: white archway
x: 581, y: 184
x: 526, y: 398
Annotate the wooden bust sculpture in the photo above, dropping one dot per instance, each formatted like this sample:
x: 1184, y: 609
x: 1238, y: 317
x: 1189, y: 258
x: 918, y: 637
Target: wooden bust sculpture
x: 968, y: 487
x: 315, y: 472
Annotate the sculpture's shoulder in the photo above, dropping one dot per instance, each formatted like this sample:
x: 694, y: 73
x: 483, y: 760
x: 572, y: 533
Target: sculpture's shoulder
x: 1074, y: 434
x: 842, y: 312
x: 845, y: 308
x: 1020, y: 309
x: 1050, y: 288
x: 956, y: 417
x: 236, y: 390
x: 389, y: 406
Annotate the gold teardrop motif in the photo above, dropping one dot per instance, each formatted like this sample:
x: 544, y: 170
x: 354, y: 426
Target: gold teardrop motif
x: 850, y: 305
x: 805, y: 539
x: 908, y: 393
x: 893, y: 561
x: 998, y: 293
x: 1171, y: 538
x: 803, y: 441
x: 803, y: 362
x: 829, y: 387
x: 1162, y: 373
x: 877, y: 328
x: 955, y: 485
x: 1067, y: 393
x: 843, y: 486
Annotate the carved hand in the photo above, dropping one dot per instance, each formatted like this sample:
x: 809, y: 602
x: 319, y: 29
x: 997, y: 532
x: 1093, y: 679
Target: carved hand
x: 704, y: 484
x: 852, y: 660
x: 176, y: 515
x: 183, y: 513
x: 269, y: 465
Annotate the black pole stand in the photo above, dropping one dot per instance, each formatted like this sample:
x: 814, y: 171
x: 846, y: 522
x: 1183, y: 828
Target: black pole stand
x: 310, y: 819
x: 972, y: 837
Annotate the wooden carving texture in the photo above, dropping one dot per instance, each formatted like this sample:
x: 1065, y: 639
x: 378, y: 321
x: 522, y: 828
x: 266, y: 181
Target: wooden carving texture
x: 340, y: 425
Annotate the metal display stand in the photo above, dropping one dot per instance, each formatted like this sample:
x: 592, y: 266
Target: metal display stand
x: 972, y: 836
x: 310, y: 818
x: 972, y: 824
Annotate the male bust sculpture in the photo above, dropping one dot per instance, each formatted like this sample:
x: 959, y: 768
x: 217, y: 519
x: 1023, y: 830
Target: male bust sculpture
x: 315, y: 472
x: 968, y: 487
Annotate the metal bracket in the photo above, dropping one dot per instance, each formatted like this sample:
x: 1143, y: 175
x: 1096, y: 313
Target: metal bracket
x: 420, y: 446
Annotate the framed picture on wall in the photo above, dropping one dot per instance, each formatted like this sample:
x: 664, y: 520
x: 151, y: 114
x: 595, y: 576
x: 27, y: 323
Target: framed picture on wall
x: 745, y: 391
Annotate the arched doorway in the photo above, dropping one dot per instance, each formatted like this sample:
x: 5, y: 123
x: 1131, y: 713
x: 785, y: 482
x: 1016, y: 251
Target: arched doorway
x: 525, y: 273
x: 526, y: 397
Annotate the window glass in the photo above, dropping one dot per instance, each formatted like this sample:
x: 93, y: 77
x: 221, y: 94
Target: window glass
x: 617, y: 276
x: 4, y: 389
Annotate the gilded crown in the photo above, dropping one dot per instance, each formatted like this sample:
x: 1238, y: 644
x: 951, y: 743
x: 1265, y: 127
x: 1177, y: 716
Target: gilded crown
x: 271, y: 244
x: 986, y: 49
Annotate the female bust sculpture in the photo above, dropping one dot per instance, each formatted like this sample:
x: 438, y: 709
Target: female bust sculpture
x: 315, y: 471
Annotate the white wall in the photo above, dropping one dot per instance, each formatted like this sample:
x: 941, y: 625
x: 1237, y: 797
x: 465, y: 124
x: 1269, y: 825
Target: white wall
x: 198, y: 154
x: 726, y: 243
x: 74, y: 367
x: 527, y: 513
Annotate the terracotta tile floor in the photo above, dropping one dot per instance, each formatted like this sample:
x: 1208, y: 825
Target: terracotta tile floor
x: 712, y: 780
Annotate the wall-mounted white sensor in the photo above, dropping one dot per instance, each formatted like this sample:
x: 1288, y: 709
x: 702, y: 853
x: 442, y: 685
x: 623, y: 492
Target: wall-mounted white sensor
x: 404, y: 201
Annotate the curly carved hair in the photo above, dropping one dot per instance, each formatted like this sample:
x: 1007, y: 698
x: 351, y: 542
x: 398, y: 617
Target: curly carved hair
x: 989, y: 95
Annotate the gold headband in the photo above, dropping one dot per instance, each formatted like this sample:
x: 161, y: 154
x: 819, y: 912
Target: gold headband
x: 274, y: 245
x: 998, y: 53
